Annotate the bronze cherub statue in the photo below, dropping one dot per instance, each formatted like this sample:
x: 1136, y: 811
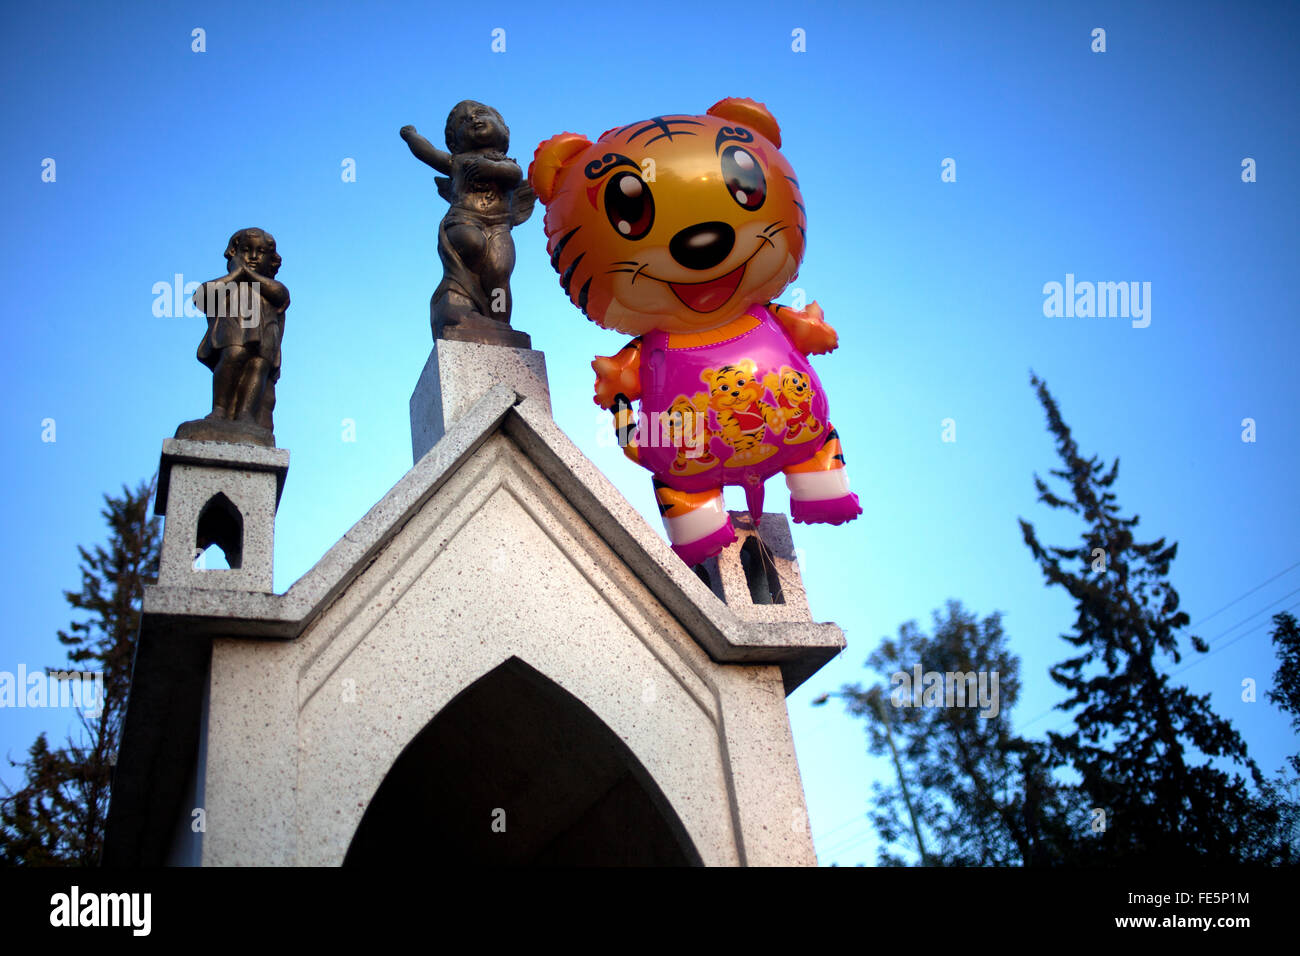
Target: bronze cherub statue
x: 489, y: 196
x: 245, y: 310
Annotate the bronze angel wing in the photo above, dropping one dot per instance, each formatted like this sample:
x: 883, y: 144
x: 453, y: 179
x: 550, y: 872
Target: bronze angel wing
x: 522, y: 200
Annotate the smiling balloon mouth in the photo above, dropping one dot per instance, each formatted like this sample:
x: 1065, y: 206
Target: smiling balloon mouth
x: 709, y: 296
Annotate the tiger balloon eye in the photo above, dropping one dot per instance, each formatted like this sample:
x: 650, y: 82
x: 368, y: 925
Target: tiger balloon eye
x: 743, y: 177
x: 681, y: 230
x: 629, y: 205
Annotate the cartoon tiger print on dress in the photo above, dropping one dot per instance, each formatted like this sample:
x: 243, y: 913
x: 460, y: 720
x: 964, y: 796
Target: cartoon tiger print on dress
x: 681, y: 230
x: 736, y: 396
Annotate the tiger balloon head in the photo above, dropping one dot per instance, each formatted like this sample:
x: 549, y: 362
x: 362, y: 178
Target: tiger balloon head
x: 677, y: 223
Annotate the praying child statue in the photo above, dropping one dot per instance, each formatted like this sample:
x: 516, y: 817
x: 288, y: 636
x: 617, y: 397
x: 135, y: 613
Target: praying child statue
x: 245, y: 311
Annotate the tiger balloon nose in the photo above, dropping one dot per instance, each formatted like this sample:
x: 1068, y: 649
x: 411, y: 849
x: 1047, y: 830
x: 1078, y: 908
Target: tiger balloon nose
x: 681, y: 231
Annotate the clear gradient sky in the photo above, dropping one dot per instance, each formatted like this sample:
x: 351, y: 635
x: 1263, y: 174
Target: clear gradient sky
x: 1117, y: 166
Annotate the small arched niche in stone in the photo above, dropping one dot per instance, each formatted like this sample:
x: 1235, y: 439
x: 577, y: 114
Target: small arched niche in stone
x: 221, y: 523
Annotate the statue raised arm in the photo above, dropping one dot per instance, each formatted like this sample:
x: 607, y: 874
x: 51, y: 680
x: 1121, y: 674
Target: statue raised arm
x: 489, y: 196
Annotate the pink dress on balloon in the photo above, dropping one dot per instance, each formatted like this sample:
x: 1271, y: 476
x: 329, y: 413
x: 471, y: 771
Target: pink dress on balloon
x: 730, y: 412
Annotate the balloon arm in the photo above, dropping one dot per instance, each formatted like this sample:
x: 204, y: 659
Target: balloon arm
x: 807, y: 328
x: 618, y: 375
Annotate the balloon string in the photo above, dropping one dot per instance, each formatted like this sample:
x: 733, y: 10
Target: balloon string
x: 766, y: 556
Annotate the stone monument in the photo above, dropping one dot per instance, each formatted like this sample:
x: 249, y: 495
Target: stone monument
x: 500, y: 663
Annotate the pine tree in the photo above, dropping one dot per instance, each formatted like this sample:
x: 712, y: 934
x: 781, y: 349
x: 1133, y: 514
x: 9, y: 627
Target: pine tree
x: 1286, y: 681
x: 57, y: 817
x: 1137, y: 735
x: 1278, y: 836
x: 974, y: 793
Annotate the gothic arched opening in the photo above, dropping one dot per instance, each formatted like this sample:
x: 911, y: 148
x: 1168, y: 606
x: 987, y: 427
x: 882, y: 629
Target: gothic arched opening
x: 517, y: 771
x: 220, y: 523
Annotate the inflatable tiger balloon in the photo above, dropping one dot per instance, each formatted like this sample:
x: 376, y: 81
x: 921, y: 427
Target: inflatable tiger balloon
x: 680, y: 230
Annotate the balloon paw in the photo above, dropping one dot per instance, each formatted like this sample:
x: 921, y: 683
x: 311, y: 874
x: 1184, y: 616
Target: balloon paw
x: 825, y: 511
x: 696, y: 552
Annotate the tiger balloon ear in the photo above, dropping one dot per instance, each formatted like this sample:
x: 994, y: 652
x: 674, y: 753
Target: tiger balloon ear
x: 550, y: 158
x: 750, y: 113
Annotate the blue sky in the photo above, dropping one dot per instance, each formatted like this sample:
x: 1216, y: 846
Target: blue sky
x: 1115, y: 166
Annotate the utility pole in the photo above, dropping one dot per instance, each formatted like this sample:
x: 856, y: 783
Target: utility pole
x: 883, y: 714
x: 874, y: 695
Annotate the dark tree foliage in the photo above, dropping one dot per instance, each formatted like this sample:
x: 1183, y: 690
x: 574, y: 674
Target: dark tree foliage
x: 982, y: 796
x: 1279, y: 840
x: 1149, y: 752
x: 57, y: 817
x: 1286, y: 681
x: 1275, y: 824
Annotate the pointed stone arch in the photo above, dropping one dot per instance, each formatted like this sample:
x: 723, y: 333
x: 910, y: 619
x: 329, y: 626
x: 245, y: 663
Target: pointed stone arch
x: 221, y: 523
x: 516, y: 770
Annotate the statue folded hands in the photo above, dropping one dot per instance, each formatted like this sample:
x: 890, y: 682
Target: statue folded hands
x: 245, y: 312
